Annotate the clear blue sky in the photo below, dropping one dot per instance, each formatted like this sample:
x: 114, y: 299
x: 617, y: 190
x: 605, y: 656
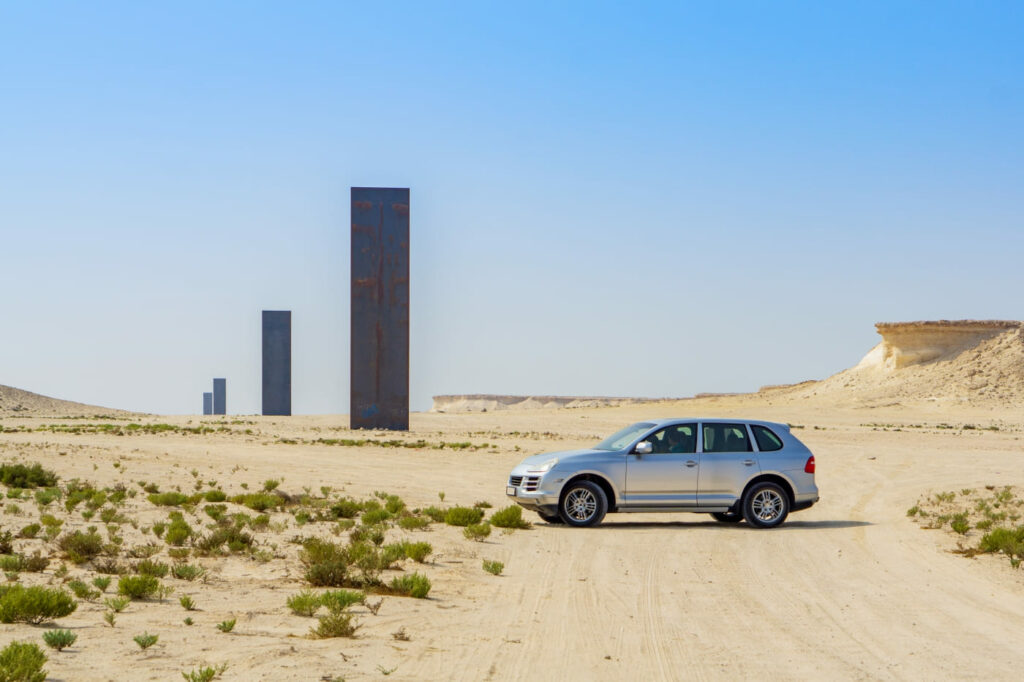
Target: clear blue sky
x: 646, y: 199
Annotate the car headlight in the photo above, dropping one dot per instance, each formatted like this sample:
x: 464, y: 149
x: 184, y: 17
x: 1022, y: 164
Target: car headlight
x: 543, y: 468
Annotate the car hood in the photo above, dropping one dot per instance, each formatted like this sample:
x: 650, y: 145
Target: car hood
x: 561, y: 455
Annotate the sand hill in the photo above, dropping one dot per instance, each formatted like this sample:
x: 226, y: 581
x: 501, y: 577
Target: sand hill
x: 963, y: 361
x: 16, y: 402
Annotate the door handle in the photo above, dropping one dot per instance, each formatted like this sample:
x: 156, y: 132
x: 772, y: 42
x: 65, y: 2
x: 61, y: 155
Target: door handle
x: 691, y: 463
x: 749, y: 462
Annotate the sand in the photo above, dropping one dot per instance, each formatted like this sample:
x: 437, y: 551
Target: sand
x: 850, y: 589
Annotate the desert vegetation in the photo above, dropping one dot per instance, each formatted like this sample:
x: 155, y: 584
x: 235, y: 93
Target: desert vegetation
x: 111, y: 551
x: 987, y: 520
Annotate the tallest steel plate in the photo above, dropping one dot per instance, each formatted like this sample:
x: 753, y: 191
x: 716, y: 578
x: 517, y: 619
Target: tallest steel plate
x: 380, y: 309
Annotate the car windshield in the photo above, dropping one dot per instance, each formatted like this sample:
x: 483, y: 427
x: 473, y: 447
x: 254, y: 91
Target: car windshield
x: 620, y: 439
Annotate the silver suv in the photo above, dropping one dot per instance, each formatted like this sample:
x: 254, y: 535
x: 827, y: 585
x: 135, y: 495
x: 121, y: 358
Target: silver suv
x: 732, y: 469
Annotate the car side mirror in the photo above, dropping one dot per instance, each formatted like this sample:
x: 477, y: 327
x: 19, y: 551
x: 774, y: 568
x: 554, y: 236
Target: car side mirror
x: 644, y: 447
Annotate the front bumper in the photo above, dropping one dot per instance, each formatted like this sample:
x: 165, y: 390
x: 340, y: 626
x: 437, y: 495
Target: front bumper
x: 538, y: 492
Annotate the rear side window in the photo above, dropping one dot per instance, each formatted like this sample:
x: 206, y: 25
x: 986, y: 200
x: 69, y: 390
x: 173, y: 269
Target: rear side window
x: 766, y: 438
x: 726, y: 438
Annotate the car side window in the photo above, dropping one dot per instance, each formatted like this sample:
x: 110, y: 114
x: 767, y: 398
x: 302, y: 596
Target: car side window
x: 766, y: 439
x: 680, y: 438
x: 726, y: 438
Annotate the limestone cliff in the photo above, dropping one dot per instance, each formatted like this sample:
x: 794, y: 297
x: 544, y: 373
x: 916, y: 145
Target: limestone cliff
x: 972, y: 361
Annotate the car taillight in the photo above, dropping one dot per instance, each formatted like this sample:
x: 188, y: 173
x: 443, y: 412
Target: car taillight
x: 809, y: 467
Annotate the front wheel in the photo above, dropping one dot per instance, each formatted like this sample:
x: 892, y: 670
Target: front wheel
x: 766, y: 505
x: 583, y: 504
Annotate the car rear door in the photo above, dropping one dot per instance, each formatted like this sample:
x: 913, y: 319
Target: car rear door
x: 668, y: 476
x: 727, y: 461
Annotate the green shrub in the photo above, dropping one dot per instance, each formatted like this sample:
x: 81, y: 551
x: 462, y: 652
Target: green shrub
x: 1009, y: 541
x: 45, y: 496
x: 236, y: 539
x: 102, y: 582
x: 138, y: 586
x: 374, y: 534
x: 158, y: 528
x: 417, y: 551
x: 304, y: 603
x: 6, y: 542
x: 376, y: 516
x: 22, y: 662
x: 436, y: 515
x: 187, y: 571
x: 30, y: 531
x: 157, y: 569
x: 227, y: 625
x: 477, y: 531
x: 346, y: 508
x: 215, y: 511
x: 327, y: 564
x: 144, y: 551
x: 145, y: 640
x: 36, y: 563
x: 24, y: 476
x: 36, y: 604
x: 187, y: 603
x: 335, y: 624
x: 339, y: 600
x: 117, y: 604
x: 509, y: 517
x: 414, y: 585
x: 59, y: 639
x: 178, y: 531
x: 81, y: 547
x: 393, y: 504
x: 83, y: 591
x: 259, y: 501
x: 11, y: 562
x: 959, y: 523
x: 413, y: 522
x: 216, y: 496
x: 493, y: 567
x: 205, y: 674
x: 463, y: 516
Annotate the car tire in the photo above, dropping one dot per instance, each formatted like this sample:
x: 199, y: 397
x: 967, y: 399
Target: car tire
x: 550, y: 519
x: 766, y: 505
x: 583, y: 504
x: 727, y: 517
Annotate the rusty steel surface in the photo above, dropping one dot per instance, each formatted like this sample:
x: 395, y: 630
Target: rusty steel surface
x: 380, y: 309
x: 277, y: 362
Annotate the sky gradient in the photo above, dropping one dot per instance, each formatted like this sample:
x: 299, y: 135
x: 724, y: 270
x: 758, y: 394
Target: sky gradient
x: 605, y: 199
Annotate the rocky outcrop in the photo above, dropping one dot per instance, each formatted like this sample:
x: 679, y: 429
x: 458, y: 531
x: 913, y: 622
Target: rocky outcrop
x: 913, y: 343
x: 961, y: 361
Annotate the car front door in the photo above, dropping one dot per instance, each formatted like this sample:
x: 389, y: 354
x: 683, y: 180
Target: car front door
x: 727, y: 461
x: 667, y: 476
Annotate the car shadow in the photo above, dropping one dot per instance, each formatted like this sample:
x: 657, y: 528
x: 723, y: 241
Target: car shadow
x: 813, y: 525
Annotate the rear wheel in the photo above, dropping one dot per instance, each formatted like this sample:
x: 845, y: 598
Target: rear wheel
x: 728, y: 517
x: 583, y: 504
x: 766, y: 505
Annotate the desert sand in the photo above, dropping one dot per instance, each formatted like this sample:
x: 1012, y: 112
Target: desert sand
x: 849, y: 589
